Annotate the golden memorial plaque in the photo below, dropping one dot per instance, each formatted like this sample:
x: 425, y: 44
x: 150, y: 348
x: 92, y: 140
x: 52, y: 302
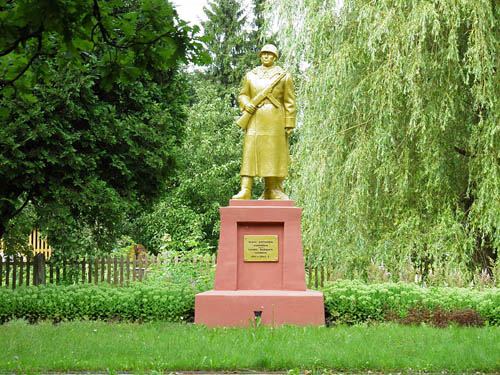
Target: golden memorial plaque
x: 260, y: 248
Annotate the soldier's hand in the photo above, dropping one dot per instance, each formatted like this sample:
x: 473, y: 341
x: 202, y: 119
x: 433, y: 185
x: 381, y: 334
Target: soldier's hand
x: 250, y: 108
x: 289, y: 131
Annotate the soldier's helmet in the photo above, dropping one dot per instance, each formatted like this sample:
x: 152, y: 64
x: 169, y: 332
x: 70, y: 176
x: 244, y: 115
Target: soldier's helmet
x: 269, y: 48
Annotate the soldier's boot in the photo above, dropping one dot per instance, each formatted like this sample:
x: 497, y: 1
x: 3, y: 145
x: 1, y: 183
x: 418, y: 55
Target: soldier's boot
x: 246, y: 188
x: 274, y: 189
x: 268, y: 184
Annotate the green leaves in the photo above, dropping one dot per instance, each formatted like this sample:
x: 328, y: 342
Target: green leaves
x: 142, y: 302
x: 89, y: 157
x: 68, y: 32
x: 346, y: 302
x: 172, y: 226
x: 394, y: 161
x: 231, y: 46
x: 353, y: 302
x: 209, y: 162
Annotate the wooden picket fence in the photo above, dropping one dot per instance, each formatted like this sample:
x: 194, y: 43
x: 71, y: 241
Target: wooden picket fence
x: 39, y: 244
x: 316, y: 276
x: 117, y: 270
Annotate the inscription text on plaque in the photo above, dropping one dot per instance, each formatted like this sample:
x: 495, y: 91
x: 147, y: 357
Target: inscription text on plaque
x: 260, y: 248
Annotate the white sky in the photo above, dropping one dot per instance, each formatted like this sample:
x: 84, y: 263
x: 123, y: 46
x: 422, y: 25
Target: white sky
x: 191, y: 10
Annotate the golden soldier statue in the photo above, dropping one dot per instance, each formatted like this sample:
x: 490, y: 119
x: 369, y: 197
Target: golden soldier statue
x: 267, y: 101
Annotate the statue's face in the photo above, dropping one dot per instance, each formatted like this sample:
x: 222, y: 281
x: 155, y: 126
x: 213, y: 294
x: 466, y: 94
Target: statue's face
x: 267, y: 58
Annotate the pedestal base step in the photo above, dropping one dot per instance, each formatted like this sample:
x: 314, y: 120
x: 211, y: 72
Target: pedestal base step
x: 232, y: 308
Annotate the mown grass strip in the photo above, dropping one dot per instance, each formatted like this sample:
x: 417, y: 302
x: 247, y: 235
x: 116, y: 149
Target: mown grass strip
x: 99, y: 346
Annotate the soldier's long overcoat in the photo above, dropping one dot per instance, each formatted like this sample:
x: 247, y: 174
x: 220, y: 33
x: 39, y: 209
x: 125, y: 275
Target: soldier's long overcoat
x: 265, y: 147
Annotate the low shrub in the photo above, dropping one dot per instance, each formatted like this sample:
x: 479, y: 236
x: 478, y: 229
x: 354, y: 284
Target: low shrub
x: 346, y: 302
x: 136, y: 302
x: 351, y: 302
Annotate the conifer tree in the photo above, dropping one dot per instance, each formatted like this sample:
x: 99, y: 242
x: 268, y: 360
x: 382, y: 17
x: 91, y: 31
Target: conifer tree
x: 228, y: 44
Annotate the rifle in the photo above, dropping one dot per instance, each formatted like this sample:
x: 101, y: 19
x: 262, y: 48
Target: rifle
x: 245, y: 117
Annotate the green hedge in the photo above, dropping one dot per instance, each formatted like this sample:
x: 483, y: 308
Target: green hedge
x: 137, y: 302
x: 348, y: 301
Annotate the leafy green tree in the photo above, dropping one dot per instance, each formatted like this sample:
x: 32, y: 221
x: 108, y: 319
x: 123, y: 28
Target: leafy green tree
x: 89, y: 139
x: 229, y: 42
x: 259, y: 21
x: 397, y: 156
x: 261, y: 34
x: 207, y: 175
x: 209, y: 172
x: 136, y: 35
x: 171, y: 226
x: 87, y: 158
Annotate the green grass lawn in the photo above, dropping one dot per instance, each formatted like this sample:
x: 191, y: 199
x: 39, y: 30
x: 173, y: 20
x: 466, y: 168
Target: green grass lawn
x: 99, y: 346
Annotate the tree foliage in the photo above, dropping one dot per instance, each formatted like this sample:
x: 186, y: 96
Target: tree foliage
x: 86, y: 158
x: 136, y: 35
x: 207, y: 173
x: 227, y: 41
x: 90, y: 127
x: 397, y: 160
x: 206, y: 178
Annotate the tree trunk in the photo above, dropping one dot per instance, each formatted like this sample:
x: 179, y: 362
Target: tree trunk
x: 2, y: 228
x: 39, y: 269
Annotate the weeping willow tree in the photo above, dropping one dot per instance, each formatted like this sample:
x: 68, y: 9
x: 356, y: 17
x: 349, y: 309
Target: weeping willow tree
x: 397, y: 159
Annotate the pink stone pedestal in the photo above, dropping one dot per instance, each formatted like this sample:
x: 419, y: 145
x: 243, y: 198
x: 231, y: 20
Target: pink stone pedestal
x: 278, y: 289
